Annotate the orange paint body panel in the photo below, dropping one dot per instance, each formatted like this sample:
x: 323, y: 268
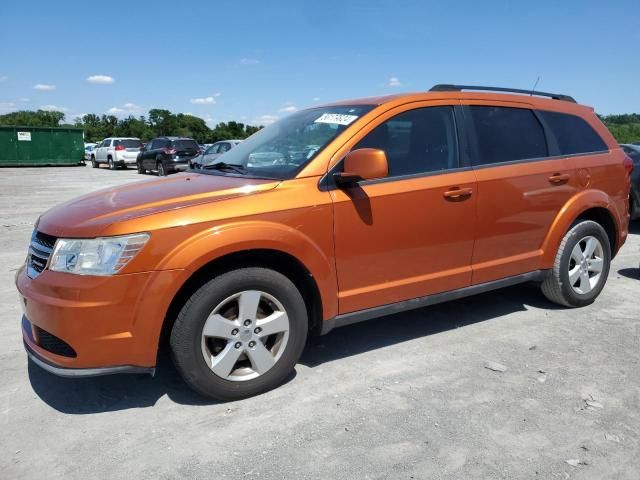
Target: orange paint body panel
x: 376, y: 244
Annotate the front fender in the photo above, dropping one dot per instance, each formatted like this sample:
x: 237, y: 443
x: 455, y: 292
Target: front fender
x: 218, y: 241
x: 577, y: 205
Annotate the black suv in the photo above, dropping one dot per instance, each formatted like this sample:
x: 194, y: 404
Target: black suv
x: 167, y: 154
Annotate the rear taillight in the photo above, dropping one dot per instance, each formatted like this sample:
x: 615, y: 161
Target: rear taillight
x: 198, y: 152
x: 169, y: 151
x: 120, y: 147
x: 628, y: 164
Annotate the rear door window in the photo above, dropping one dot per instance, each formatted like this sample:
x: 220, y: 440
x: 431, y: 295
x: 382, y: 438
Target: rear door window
x: 505, y: 134
x: 573, y: 134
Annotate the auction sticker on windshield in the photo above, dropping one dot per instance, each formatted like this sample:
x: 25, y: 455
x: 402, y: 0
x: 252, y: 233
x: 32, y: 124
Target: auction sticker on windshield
x: 336, y: 118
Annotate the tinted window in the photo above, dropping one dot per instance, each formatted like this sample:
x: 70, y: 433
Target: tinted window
x: 106, y: 143
x: 574, y: 135
x: 185, y: 145
x: 128, y: 143
x: 224, y: 147
x: 160, y: 143
x: 417, y: 141
x: 506, y: 134
x: 212, y: 149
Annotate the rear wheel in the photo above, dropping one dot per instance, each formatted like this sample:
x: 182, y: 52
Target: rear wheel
x: 161, y: 170
x: 94, y: 164
x: 112, y: 165
x: 581, y: 267
x: 240, y: 334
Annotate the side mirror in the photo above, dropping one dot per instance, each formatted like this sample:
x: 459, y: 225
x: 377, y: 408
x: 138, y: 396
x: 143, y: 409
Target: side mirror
x: 362, y: 164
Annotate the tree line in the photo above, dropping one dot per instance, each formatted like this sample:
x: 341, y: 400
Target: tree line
x: 625, y: 127
x: 157, y: 123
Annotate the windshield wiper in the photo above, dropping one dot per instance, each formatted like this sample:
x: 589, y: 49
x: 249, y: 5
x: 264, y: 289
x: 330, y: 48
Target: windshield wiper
x: 226, y: 166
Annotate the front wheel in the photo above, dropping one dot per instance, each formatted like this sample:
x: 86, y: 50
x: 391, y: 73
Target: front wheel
x: 94, y: 164
x: 141, y: 169
x: 581, y: 266
x: 240, y: 334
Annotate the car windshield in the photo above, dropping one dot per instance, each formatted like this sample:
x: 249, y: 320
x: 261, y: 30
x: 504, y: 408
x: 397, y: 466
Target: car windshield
x: 128, y: 143
x: 282, y: 149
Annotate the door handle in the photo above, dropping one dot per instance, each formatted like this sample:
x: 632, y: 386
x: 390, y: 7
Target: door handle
x: 457, y: 193
x: 558, y: 178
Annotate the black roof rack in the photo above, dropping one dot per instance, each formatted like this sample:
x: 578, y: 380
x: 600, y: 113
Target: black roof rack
x: 457, y: 88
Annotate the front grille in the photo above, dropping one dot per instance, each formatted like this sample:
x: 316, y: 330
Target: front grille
x: 40, y: 250
x: 53, y: 344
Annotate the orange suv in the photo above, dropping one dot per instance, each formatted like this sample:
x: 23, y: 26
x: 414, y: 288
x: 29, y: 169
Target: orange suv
x: 331, y: 216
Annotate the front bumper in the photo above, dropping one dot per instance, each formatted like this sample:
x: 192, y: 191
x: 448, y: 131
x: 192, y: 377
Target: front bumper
x: 82, y: 372
x: 94, y: 325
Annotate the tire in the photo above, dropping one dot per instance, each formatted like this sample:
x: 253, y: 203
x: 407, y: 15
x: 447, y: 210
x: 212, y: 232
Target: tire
x: 141, y: 170
x: 94, y: 164
x: 190, y: 347
x: 558, y: 287
x: 162, y: 172
x: 112, y: 165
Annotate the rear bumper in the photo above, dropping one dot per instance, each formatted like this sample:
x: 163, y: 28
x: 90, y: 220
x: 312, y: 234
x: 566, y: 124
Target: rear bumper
x: 177, y: 166
x: 82, y: 372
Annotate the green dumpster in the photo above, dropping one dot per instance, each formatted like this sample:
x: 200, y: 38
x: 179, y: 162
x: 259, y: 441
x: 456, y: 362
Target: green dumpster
x: 35, y: 146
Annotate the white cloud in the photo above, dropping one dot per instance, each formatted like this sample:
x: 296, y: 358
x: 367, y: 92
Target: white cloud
x: 3, y: 78
x: 7, y: 106
x: 44, y: 87
x: 288, y: 109
x: 394, y: 82
x: 264, y: 120
x: 100, y: 79
x: 54, y: 108
x: 249, y: 61
x: 126, y: 109
x: 203, y: 100
x: 315, y: 99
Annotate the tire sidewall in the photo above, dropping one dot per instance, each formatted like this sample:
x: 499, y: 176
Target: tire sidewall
x: 186, y: 336
x: 161, y: 169
x: 577, y: 233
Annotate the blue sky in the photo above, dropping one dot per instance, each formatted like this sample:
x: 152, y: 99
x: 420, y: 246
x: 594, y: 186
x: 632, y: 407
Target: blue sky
x: 254, y: 61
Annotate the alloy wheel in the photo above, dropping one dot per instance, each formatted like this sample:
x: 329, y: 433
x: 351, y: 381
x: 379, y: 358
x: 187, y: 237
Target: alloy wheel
x: 245, y: 335
x: 586, y: 265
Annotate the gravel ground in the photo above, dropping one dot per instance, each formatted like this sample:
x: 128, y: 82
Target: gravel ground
x: 405, y: 396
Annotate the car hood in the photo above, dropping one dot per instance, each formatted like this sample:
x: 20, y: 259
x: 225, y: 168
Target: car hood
x: 89, y: 215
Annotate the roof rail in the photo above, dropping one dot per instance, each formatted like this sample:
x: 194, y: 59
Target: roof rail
x: 457, y: 88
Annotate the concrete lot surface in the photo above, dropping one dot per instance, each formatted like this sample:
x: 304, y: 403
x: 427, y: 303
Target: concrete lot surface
x: 407, y: 396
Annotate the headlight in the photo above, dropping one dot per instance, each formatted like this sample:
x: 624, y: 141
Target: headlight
x: 96, y: 256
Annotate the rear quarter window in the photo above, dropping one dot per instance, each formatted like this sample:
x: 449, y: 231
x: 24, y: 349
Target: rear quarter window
x: 573, y: 134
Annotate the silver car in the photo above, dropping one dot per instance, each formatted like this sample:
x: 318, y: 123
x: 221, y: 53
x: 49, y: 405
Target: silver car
x: 213, y: 152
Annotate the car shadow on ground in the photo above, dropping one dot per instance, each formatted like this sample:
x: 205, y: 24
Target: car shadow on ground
x: 121, y: 392
x: 633, y: 273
